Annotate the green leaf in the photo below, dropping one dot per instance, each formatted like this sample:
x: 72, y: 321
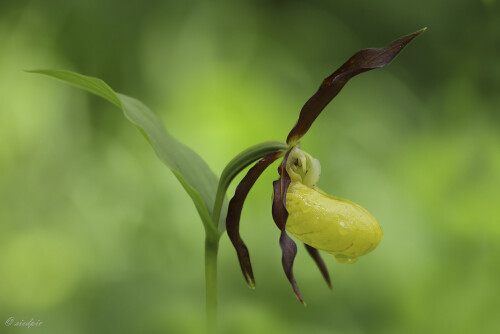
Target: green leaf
x: 190, y: 169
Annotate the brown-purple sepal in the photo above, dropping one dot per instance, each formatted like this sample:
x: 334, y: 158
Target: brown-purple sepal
x: 362, y: 61
x: 280, y: 216
x: 234, y: 214
x: 320, y: 263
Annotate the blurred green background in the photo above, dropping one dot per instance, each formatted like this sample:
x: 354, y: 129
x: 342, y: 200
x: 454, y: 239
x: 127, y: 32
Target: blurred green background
x: 97, y: 236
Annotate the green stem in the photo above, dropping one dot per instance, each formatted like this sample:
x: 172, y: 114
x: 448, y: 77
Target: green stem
x: 232, y: 169
x: 211, y: 249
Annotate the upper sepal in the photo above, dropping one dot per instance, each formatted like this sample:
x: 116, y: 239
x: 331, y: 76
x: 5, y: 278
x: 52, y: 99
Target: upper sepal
x: 362, y: 61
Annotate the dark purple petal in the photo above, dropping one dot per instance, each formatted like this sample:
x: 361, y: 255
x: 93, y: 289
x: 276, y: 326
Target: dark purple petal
x: 289, y: 250
x: 234, y: 214
x: 320, y: 263
x: 280, y: 186
x: 280, y: 215
x: 362, y: 61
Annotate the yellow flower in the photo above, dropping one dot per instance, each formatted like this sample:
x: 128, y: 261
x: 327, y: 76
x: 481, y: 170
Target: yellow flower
x: 321, y: 221
x: 325, y: 222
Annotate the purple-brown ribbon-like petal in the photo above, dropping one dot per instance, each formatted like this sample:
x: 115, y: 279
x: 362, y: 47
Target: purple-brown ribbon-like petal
x: 280, y: 215
x: 289, y: 250
x: 280, y: 186
x: 362, y: 61
x: 234, y: 214
x: 320, y: 263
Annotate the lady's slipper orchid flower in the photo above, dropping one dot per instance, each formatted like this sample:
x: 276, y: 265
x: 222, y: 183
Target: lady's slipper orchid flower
x: 325, y: 222
x: 321, y: 221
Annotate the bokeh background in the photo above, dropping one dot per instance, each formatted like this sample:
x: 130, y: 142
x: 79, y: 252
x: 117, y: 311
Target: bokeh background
x: 97, y: 236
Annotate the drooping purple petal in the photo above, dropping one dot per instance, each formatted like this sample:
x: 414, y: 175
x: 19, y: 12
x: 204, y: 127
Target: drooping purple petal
x: 280, y: 187
x: 234, y: 214
x: 362, y: 61
x: 289, y: 250
x: 280, y: 215
x: 320, y: 263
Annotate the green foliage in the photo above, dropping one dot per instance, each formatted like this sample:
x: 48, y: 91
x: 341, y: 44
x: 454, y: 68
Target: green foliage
x: 190, y: 169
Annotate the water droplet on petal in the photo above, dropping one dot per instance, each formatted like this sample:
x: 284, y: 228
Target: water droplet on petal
x: 344, y: 259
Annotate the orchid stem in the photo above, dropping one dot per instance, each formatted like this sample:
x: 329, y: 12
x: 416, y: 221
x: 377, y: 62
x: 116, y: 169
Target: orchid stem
x: 211, y: 250
x: 235, y: 166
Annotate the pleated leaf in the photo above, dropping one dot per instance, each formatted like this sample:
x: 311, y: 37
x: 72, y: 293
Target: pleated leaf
x: 190, y: 169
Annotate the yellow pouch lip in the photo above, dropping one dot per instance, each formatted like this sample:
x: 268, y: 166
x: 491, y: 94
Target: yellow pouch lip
x: 335, y: 225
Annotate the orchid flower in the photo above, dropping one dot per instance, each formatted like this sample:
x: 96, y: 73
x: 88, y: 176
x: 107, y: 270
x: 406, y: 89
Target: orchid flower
x: 321, y: 221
